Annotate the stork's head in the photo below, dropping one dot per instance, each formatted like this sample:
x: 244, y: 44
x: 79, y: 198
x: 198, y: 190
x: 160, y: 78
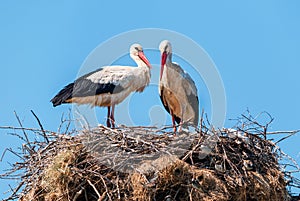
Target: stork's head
x: 137, y: 54
x: 165, y: 48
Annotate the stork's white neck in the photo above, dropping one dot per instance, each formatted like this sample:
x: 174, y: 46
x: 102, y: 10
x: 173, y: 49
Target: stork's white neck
x: 169, y: 58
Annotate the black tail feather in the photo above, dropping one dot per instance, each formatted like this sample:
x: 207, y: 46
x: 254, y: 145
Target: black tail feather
x: 194, y: 101
x: 63, y: 95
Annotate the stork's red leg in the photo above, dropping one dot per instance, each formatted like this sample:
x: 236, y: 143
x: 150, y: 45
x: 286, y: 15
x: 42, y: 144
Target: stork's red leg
x: 173, y: 122
x: 180, y: 126
x: 112, y: 116
x: 108, y: 117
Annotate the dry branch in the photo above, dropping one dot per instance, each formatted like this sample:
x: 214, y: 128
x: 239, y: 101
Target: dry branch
x: 148, y: 163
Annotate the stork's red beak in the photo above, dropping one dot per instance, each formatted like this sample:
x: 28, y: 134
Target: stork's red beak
x: 163, y: 62
x: 163, y: 58
x: 144, y: 59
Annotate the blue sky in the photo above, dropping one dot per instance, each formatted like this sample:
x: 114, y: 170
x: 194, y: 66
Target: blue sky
x: 255, y: 46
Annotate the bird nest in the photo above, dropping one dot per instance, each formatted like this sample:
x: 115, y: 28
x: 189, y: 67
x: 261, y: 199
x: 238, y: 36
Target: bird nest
x: 146, y: 163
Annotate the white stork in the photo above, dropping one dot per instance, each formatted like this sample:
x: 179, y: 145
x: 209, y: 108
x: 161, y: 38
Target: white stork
x: 109, y: 85
x: 177, y: 90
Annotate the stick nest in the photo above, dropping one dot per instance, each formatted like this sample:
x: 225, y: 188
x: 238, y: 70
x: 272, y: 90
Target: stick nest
x: 146, y: 163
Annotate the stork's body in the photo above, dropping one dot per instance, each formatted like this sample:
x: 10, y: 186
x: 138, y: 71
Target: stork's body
x: 109, y: 85
x: 177, y: 90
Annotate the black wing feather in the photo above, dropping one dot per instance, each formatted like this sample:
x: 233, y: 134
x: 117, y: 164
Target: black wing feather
x: 194, y: 101
x: 83, y: 87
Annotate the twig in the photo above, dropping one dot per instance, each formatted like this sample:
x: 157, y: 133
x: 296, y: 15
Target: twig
x: 78, y: 193
x: 87, y: 125
x: 118, y: 189
x: 167, y: 127
x: 13, y: 152
x: 63, y: 120
x: 101, y: 177
x: 41, y: 126
x: 69, y: 121
x: 201, y: 121
x: 95, y: 189
x: 286, y: 137
x: 25, y: 134
x: 18, y: 188
x: 283, y: 132
x: 91, y: 170
x: 21, y: 128
x: 61, y: 123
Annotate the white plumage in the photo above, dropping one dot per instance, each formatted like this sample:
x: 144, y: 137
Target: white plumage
x: 109, y: 85
x: 177, y: 90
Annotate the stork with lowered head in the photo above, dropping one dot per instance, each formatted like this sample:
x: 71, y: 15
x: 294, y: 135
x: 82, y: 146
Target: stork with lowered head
x: 177, y: 90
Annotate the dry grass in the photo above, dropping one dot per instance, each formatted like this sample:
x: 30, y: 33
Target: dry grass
x: 143, y: 164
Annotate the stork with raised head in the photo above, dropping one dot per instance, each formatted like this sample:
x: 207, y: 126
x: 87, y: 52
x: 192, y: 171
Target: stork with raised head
x: 177, y: 90
x: 109, y: 85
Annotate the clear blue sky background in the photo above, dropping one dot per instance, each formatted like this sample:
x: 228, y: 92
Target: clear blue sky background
x: 254, y: 44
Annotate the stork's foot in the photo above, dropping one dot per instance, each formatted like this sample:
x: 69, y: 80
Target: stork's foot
x: 174, y: 130
x: 180, y: 128
x: 173, y: 122
x: 112, y: 120
x: 110, y: 123
x: 113, y: 124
